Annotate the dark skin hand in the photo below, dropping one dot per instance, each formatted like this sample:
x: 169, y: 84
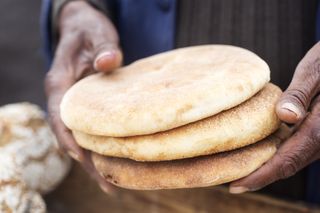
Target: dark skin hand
x: 299, y: 105
x: 88, y: 43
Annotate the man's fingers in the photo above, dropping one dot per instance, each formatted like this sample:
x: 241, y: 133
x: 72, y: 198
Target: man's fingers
x: 55, y: 90
x: 105, y: 42
x: 107, y: 59
x: 62, y: 133
x: 295, y: 101
x: 88, y: 42
x: 293, y: 155
x: 66, y: 140
x: 96, y: 38
x: 57, y: 83
x: 87, y: 164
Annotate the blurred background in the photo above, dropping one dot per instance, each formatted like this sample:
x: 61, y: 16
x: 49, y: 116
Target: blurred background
x: 21, y: 61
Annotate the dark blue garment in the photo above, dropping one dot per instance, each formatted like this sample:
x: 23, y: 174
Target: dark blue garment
x: 147, y: 27
x: 313, y: 186
x: 45, y: 24
x: 318, y: 24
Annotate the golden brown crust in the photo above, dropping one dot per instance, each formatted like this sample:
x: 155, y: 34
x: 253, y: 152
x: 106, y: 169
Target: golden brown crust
x: 164, y: 91
x: 245, y: 124
x: 186, y: 173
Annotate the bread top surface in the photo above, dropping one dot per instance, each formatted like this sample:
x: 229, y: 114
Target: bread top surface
x: 164, y: 91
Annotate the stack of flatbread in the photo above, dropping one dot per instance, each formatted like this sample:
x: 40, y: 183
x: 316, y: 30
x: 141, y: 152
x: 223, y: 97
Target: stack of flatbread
x: 191, y: 117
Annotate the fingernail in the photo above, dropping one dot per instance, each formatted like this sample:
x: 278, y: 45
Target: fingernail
x: 292, y: 108
x: 104, y: 188
x: 74, y: 155
x: 103, y: 56
x: 238, y: 189
x: 107, y: 190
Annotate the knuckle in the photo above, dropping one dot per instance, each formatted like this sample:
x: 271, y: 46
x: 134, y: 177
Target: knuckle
x: 61, y: 144
x: 300, y: 155
x: 315, y: 106
x: 48, y: 81
x: 311, y: 61
x: 289, y: 165
x: 105, y: 46
x: 52, y: 116
x: 315, y: 135
x: 299, y: 96
x: 311, y: 72
x: 51, y: 81
x: 70, y: 31
x: 56, y: 79
x: 315, y: 68
x: 51, y: 78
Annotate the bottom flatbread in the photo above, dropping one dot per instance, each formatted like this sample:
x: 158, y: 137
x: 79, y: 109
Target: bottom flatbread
x: 192, y: 172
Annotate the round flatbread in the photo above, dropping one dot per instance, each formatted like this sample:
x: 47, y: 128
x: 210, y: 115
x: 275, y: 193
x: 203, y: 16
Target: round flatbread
x: 164, y: 91
x: 27, y: 137
x: 192, y: 172
x: 245, y: 124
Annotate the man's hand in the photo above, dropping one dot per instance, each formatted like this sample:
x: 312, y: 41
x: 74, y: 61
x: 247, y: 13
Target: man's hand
x: 299, y: 105
x: 88, y: 43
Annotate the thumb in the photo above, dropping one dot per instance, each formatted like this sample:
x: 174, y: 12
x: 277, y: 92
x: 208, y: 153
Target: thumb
x: 294, y: 103
x: 107, y: 58
x: 295, y: 152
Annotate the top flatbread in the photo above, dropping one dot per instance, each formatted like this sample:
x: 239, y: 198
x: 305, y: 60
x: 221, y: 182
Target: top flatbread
x: 164, y: 91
